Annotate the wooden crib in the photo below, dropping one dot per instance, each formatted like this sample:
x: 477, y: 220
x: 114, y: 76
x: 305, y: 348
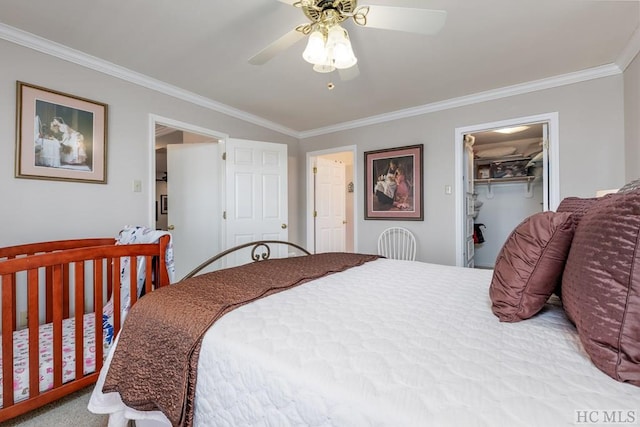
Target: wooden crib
x: 63, y: 284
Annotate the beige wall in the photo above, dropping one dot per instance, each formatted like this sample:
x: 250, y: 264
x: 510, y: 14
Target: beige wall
x: 35, y: 210
x: 632, y: 119
x: 592, y: 149
x: 592, y: 152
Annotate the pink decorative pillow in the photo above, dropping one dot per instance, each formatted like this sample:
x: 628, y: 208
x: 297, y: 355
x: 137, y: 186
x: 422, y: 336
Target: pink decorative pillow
x: 577, y: 206
x: 530, y: 264
x: 601, y: 285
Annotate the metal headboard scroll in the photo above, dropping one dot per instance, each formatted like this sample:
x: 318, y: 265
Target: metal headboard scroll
x: 263, y: 255
x: 256, y: 256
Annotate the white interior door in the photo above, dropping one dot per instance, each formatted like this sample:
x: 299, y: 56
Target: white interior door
x: 194, y: 203
x: 256, y: 201
x: 545, y: 167
x: 469, y: 209
x: 330, y: 207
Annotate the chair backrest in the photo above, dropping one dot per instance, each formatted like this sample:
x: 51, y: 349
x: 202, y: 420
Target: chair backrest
x: 397, y: 243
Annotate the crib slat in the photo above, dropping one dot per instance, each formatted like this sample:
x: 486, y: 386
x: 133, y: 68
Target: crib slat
x: 34, y: 337
x: 57, y: 325
x: 79, y: 315
x: 98, y: 308
x: 13, y: 306
x: 8, y: 307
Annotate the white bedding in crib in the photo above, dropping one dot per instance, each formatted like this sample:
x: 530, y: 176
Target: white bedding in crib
x: 21, y: 355
x: 392, y: 343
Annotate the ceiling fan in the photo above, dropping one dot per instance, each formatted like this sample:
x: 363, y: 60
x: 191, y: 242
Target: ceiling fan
x: 328, y: 47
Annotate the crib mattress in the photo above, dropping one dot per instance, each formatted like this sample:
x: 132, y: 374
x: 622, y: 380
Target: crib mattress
x: 21, y: 356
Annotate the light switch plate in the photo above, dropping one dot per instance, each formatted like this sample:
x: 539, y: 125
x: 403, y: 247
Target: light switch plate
x: 137, y: 186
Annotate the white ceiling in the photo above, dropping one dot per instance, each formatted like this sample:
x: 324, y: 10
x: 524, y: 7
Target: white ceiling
x: 202, y: 46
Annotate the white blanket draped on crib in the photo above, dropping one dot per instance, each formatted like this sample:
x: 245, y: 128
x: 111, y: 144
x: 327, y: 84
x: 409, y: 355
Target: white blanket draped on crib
x: 132, y: 235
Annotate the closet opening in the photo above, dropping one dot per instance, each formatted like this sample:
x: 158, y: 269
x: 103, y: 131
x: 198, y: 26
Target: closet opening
x: 507, y: 185
x: 507, y: 171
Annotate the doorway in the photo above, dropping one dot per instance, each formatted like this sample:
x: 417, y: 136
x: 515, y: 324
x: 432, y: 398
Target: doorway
x: 186, y: 199
x: 474, y: 177
x: 220, y: 192
x: 331, y: 198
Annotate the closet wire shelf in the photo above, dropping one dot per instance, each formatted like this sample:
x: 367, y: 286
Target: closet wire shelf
x: 514, y: 179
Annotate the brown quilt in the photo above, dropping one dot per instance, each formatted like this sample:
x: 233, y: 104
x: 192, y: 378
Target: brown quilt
x: 154, y: 365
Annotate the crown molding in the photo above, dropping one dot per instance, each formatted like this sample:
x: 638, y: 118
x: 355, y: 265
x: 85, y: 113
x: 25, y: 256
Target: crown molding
x: 630, y: 51
x: 66, y: 53
x: 490, y: 95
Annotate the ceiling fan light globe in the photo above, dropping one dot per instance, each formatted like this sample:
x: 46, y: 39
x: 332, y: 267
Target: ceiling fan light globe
x: 336, y: 35
x: 338, y: 44
x: 323, y: 68
x: 315, y: 52
x: 346, y: 64
x: 343, y: 57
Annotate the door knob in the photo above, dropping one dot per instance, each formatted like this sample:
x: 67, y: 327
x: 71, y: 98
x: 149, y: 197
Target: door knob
x: 344, y: 222
x: 171, y: 227
x: 283, y: 226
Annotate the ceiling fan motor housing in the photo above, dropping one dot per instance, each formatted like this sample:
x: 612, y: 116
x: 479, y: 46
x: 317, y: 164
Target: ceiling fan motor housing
x: 314, y: 10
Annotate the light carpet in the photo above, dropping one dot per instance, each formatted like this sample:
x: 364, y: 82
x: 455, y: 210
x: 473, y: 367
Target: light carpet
x: 69, y: 411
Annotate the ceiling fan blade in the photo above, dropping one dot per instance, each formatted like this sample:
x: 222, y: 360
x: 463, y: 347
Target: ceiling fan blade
x: 350, y: 73
x: 411, y: 20
x: 283, y: 43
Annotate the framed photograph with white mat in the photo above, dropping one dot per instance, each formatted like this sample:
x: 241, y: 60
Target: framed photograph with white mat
x: 60, y: 136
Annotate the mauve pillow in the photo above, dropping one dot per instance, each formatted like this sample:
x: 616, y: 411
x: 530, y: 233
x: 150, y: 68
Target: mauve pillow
x: 601, y: 285
x: 577, y: 206
x: 529, y: 265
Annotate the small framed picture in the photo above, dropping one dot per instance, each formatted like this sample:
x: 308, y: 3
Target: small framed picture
x: 60, y: 137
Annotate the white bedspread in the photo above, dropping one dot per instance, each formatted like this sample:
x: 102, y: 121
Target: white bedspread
x: 393, y: 343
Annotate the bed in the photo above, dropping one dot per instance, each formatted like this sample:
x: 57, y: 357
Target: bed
x: 384, y: 343
x: 68, y: 297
